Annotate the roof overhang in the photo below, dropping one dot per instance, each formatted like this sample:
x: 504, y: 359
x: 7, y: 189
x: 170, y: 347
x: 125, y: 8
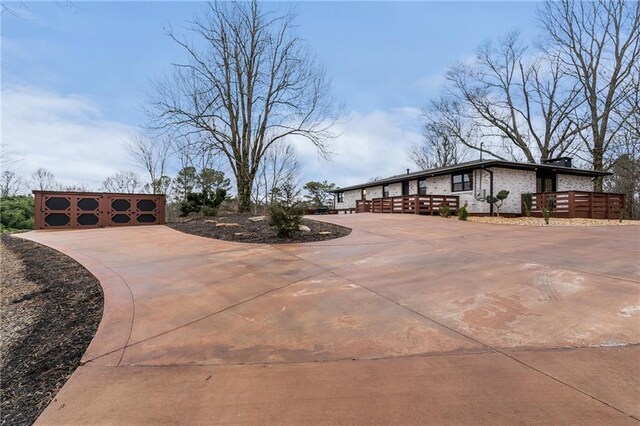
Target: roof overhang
x: 475, y: 166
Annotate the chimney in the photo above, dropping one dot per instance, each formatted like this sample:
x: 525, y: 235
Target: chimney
x: 560, y: 161
x: 407, y: 171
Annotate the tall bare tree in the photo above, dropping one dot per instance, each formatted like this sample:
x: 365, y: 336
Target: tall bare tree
x: 152, y: 155
x: 599, y: 45
x: 43, y: 180
x: 248, y: 84
x: 509, y: 96
x: 123, y: 182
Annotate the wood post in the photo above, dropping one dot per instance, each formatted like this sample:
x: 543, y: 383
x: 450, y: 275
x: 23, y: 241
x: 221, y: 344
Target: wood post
x: 572, y: 204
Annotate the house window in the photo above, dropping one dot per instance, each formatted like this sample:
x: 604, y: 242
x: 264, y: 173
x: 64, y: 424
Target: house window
x: 545, y: 182
x: 385, y: 191
x: 461, y: 182
x: 341, y: 197
x: 422, y: 187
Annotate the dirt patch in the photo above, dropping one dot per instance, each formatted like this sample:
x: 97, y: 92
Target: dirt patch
x: 246, y: 229
x: 51, y: 307
x: 554, y: 221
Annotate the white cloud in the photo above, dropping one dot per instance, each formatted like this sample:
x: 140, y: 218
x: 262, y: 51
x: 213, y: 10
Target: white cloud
x: 369, y: 145
x: 70, y: 136
x: 66, y: 134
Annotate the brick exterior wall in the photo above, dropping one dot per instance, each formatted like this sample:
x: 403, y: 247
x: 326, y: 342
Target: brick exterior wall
x: 573, y: 183
x: 517, y: 182
x: 441, y: 185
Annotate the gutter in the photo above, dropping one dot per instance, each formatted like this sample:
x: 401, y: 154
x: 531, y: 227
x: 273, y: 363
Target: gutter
x: 490, y: 188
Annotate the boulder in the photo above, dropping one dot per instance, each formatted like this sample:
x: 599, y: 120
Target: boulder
x: 304, y: 228
x: 227, y: 225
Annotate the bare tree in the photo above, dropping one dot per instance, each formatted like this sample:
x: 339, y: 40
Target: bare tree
x: 599, y: 45
x: 152, y: 155
x: 43, y: 180
x: 280, y: 165
x: 623, y: 156
x: 441, y: 144
x: 76, y: 187
x: 250, y: 84
x: 123, y: 182
x: 528, y: 103
x: 10, y: 184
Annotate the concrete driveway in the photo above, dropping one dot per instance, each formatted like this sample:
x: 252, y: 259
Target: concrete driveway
x: 407, y: 320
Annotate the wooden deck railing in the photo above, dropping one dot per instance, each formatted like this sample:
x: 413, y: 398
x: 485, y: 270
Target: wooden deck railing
x: 413, y: 204
x: 578, y: 204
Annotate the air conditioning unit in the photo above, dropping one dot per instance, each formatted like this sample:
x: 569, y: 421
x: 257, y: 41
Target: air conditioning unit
x: 481, y: 194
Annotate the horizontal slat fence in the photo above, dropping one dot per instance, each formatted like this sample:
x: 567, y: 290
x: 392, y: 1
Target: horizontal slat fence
x: 411, y: 204
x: 578, y: 204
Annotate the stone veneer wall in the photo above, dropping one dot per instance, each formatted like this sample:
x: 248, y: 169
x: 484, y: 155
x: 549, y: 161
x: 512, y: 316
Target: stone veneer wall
x: 573, y: 183
x: 395, y: 189
x: 374, y: 192
x: 350, y: 198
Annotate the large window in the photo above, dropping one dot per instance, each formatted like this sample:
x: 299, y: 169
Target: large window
x: 385, y: 191
x: 422, y: 187
x: 461, y: 182
x: 341, y: 197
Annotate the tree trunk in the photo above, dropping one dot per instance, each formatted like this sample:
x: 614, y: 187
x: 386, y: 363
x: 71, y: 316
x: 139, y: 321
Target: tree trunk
x: 244, y: 195
x: 244, y: 183
x: 598, y: 165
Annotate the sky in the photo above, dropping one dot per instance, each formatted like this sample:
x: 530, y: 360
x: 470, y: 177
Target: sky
x: 75, y: 77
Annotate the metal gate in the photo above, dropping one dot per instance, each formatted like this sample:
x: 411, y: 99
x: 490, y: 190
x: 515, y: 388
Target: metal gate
x: 60, y: 210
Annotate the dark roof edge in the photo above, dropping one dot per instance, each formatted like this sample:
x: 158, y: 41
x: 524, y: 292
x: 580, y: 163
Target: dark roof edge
x: 472, y: 165
x: 37, y: 191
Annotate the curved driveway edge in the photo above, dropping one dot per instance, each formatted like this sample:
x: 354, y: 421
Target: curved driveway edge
x: 407, y: 320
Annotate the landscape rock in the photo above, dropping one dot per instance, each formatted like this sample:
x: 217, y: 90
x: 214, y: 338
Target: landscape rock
x: 210, y: 221
x: 304, y: 228
x: 324, y: 233
x: 218, y: 225
x: 257, y: 218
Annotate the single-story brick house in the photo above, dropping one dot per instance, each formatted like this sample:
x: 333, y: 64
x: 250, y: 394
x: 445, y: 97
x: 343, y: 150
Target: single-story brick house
x: 472, y: 181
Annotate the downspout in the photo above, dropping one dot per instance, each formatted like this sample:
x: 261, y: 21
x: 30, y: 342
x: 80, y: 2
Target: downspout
x: 490, y: 187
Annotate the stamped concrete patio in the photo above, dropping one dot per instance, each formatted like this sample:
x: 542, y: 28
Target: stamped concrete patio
x: 407, y: 320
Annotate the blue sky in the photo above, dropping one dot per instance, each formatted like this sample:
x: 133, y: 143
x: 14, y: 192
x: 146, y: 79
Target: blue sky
x: 83, y: 72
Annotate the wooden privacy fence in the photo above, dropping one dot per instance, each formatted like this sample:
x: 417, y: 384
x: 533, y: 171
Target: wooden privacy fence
x: 415, y: 204
x: 578, y: 204
x: 72, y: 210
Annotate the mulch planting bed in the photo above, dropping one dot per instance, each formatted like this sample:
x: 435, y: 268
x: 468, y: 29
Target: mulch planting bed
x: 239, y: 228
x: 51, y: 307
